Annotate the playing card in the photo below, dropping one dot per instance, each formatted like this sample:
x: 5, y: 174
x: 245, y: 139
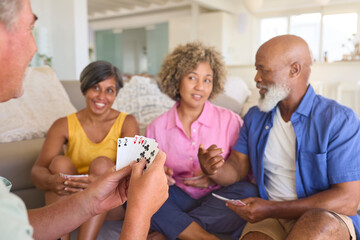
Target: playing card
x: 66, y: 176
x: 152, y: 151
x: 143, y: 148
x: 233, y: 201
x: 136, y: 148
x: 122, y: 153
x: 132, y: 148
x: 191, y: 178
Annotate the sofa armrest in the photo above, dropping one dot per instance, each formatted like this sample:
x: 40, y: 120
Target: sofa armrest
x: 16, y: 161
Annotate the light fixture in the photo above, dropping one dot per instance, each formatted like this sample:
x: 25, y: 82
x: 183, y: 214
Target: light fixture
x: 322, y: 2
x: 252, y: 5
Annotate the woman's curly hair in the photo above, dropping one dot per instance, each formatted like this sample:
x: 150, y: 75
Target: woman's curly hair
x: 186, y: 58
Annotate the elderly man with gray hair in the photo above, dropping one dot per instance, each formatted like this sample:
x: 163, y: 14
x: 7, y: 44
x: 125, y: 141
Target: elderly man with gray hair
x: 17, y: 47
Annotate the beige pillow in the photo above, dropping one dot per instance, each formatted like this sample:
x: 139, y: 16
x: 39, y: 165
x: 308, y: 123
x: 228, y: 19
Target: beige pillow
x: 251, y: 101
x: 235, y: 94
x: 31, y: 115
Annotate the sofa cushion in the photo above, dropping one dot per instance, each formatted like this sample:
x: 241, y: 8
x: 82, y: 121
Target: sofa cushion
x: 142, y: 98
x: 251, y: 101
x: 234, y: 96
x: 31, y: 115
x: 17, y: 159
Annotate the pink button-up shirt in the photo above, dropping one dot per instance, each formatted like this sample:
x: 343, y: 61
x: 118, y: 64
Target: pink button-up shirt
x: 215, y: 125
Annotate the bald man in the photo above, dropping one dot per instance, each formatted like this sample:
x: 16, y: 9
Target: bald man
x: 304, y: 151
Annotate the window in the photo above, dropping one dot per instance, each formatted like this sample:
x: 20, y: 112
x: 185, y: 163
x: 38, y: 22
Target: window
x: 307, y: 26
x: 271, y: 27
x: 339, y: 35
x: 332, y: 38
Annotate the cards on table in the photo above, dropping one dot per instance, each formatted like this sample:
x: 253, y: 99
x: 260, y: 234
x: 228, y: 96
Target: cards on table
x: 135, y: 148
x: 233, y: 201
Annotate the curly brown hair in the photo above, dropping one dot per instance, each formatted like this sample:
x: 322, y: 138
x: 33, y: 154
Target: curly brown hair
x: 184, y: 59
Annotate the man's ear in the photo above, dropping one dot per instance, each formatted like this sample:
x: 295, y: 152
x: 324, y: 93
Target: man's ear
x: 295, y: 69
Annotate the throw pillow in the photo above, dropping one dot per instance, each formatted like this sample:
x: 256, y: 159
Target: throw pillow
x: 142, y: 98
x: 235, y: 94
x: 31, y: 115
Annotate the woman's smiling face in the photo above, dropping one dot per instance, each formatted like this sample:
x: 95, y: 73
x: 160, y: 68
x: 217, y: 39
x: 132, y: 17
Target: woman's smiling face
x: 101, y: 96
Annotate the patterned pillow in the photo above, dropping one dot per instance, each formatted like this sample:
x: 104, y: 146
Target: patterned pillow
x: 31, y: 115
x: 142, y: 98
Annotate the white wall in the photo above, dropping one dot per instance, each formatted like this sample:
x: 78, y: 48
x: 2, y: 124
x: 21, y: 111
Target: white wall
x: 240, y: 40
x: 327, y: 79
x: 209, y: 30
x: 66, y: 25
x: 232, y: 34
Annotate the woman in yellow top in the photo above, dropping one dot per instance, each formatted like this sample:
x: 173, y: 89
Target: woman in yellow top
x: 90, y: 138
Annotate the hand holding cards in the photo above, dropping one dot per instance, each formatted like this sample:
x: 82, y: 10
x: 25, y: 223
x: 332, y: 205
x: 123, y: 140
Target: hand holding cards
x: 232, y: 201
x: 135, y: 148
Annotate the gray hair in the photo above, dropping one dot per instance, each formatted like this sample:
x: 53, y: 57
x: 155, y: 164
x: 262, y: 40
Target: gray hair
x: 9, y: 12
x: 99, y: 71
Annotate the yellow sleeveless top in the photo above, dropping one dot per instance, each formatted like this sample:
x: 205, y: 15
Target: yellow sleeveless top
x: 82, y: 151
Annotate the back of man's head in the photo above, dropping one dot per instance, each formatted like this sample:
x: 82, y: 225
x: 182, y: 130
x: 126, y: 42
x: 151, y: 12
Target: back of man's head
x: 9, y: 11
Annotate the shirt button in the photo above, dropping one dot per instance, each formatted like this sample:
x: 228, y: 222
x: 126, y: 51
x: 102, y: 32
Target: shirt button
x: 191, y: 158
x: 193, y: 143
x: 267, y: 127
x: 194, y: 130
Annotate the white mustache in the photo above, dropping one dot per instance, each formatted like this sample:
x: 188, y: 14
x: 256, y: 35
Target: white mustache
x: 258, y: 85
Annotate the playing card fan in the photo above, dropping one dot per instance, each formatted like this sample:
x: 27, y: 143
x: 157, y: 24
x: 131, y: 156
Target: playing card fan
x: 135, y: 148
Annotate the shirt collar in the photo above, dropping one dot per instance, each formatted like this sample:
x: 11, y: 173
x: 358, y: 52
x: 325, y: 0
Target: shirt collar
x: 6, y: 182
x: 173, y: 117
x: 307, y: 102
x: 204, y: 118
x: 305, y: 105
x: 206, y: 114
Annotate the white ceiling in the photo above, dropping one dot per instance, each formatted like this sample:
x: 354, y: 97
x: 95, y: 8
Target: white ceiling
x: 98, y: 9
x: 102, y: 9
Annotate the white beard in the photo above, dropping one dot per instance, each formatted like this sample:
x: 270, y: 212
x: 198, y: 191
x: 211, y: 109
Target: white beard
x: 273, y: 96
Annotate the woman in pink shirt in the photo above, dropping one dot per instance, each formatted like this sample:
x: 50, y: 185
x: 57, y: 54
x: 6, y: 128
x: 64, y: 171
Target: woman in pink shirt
x: 191, y: 75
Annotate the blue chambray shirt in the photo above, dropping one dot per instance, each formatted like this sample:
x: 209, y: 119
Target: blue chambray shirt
x: 327, y: 145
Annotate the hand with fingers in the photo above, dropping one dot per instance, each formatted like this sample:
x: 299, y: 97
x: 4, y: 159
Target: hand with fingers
x: 58, y: 184
x: 146, y: 194
x: 169, y: 173
x: 77, y: 184
x: 210, y: 159
x: 109, y: 190
x: 255, y: 210
x: 202, y: 182
x: 148, y: 190
x: 145, y: 191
